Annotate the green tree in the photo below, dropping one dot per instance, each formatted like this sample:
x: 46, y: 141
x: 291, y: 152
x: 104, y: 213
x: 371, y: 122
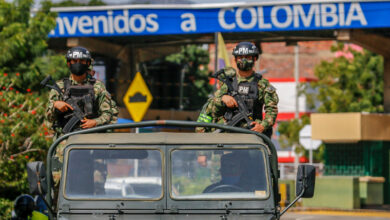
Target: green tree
x: 289, y: 131
x: 349, y: 84
x: 24, y: 62
x: 353, y: 84
x: 195, y: 60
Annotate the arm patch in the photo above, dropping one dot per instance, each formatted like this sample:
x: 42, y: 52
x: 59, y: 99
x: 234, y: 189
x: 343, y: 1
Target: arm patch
x: 270, y: 88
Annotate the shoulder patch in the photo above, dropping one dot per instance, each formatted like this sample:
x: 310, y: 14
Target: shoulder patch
x: 258, y: 76
x: 263, y: 83
x: 270, y: 88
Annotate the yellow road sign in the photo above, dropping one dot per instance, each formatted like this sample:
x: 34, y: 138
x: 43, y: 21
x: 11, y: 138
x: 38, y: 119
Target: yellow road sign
x: 137, y: 98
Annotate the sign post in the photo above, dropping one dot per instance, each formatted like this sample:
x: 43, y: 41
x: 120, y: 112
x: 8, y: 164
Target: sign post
x: 307, y: 142
x: 137, y: 98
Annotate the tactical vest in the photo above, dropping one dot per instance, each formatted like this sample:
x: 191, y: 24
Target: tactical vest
x: 83, y: 96
x: 249, y: 92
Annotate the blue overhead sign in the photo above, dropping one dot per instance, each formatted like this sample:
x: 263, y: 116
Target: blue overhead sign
x: 161, y: 21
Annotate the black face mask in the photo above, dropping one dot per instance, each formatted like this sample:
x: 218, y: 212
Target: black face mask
x: 245, y: 64
x: 78, y: 68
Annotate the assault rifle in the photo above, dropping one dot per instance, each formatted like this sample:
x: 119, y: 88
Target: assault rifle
x: 76, y: 116
x: 243, y: 112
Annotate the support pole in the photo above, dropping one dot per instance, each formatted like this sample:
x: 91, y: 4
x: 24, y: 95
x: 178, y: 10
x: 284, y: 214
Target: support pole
x: 182, y: 75
x: 215, y: 57
x: 296, y: 76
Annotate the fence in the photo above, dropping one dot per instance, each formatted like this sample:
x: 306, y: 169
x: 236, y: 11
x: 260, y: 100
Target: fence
x: 288, y: 171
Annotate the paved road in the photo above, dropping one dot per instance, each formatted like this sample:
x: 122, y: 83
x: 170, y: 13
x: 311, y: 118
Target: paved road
x: 335, y: 215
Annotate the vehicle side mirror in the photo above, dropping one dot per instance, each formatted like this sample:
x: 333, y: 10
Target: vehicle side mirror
x: 306, y: 177
x: 36, y: 174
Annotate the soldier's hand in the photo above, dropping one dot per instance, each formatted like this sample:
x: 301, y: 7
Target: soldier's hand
x: 257, y: 127
x: 229, y: 101
x: 88, y: 123
x: 62, y: 106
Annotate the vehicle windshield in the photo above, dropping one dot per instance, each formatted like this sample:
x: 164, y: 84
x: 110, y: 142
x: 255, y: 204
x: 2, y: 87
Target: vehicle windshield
x: 114, y: 174
x: 218, y: 174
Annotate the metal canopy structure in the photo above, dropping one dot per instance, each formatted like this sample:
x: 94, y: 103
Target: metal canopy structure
x: 136, y: 33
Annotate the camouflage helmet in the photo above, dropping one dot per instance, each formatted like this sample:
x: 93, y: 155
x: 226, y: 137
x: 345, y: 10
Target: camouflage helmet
x: 78, y: 53
x: 246, y: 48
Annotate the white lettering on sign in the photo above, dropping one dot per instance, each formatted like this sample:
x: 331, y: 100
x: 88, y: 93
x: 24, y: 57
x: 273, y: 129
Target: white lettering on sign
x: 108, y: 24
x: 103, y: 20
x: 71, y: 28
x: 241, y: 23
x: 296, y: 16
x: 317, y: 15
x: 262, y: 24
x: 152, y: 23
x: 121, y: 23
x: 222, y: 22
x: 307, y: 19
x: 189, y: 24
x: 355, y: 13
x: 133, y: 23
x: 85, y: 24
x: 329, y: 17
x: 274, y: 16
x: 341, y: 14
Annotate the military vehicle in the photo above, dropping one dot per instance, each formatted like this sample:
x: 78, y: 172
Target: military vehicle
x: 232, y: 175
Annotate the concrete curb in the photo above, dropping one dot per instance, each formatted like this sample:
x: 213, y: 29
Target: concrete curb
x: 342, y: 212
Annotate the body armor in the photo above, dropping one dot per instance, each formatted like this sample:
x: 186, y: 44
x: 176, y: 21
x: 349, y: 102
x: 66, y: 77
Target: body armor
x: 249, y: 92
x: 81, y: 97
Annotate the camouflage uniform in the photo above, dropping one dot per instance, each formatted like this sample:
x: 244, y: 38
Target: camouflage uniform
x: 267, y: 96
x: 107, y: 111
x: 205, y: 116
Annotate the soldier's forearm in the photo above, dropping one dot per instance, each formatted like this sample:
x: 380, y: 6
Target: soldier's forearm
x: 51, y: 112
x: 103, y: 119
x: 263, y: 123
x: 218, y: 102
x: 269, y: 120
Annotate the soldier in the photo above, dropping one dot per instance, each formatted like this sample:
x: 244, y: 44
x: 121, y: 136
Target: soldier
x: 256, y: 92
x: 91, y: 97
x: 101, y: 108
